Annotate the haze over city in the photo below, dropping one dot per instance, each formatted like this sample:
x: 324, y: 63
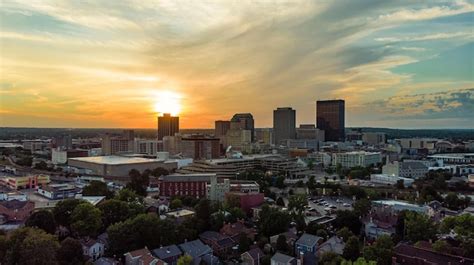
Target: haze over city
x: 398, y: 64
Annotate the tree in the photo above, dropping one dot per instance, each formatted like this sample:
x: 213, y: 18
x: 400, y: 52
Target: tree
x: 281, y: 244
x: 381, y: 251
x: 344, y: 233
x: 159, y: 171
x: 114, y: 211
x: 42, y: 219
x: 400, y: 184
x: 70, y: 252
x: 273, y: 221
x: 134, y: 201
x: 280, y: 202
x: 297, y: 203
x: 31, y: 246
x: 280, y: 182
x: 441, y: 246
x: 203, y: 212
x: 86, y: 220
x: 463, y: 226
x: 185, y: 260
x: 311, y: 183
x: 41, y: 165
x: 97, y: 188
x: 330, y: 258
x: 352, y: 248
x: 349, y: 219
x: 362, y: 207
x: 63, y: 210
x: 139, y: 182
x: 176, y: 203
x: 419, y: 227
x: 359, y: 261
x: 244, y: 243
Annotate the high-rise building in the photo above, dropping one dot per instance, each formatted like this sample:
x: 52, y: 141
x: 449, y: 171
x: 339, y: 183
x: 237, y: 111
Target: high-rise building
x: 264, y: 135
x: 243, y: 121
x: 330, y: 117
x: 118, y: 144
x: 284, y: 124
x: 167, y: 125
x: 221, y: 128
x: 200, y: 147
x: 309, y: 132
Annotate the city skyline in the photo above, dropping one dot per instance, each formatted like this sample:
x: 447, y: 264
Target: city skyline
x: 116, y: 65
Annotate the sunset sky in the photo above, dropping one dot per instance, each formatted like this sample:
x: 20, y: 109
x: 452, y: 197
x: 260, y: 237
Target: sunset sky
x: 402, y: 64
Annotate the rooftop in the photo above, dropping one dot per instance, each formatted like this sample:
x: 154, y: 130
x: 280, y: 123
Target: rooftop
x: 308, y: 240
x: 115, y: 160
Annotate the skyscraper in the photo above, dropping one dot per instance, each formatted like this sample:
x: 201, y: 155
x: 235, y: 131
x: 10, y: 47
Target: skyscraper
x: 284, y: 124
x: 243, y: 121
x: 221, y: 128
x: 330, y: 117
x: 167, y: 125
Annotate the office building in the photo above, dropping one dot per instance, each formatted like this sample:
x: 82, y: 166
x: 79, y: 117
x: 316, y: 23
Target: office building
x: 264, y: 135
x: 284, y: 124
x: 146, y: 146
x: 373, y: 138
x: 60, y: 156
x: 200, y: 147
x: 221, y: 128
x: 112, y: 145
x: 356, y: 159
x: 309, y: 132
x: 63, y: 141
x: 330, y: 117
x: 238, y: 139
x: 405, y: 169
x: 243, y: 121
x: 167, y: 125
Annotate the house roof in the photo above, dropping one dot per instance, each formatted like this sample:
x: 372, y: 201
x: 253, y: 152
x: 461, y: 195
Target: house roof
x: 106, y: 261
x: 167, y: 252
x: 14, y: 204
x: 255, y: 253
x: 220, y: 239
x: 138, y: 253
x: 333, y: 244
x: 308, y: 240
x: 195, y: 248
x: 210, y: 259
x: 282, y: 258
x: 88, y: 242
x: 411, y: 252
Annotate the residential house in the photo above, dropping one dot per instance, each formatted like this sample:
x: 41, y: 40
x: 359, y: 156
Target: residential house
x: 106, y: 261
x: 196, y: 249
x: 380, y: 221
x: 220, y: 244
x: 141, y: 257
x: 411, y: 255
x: 306, y: 243
x: 282, y: 259
x: 333, y: 244
x: 236, y: 229
x: 104, y: 239
x: 290, y: 236
x: 169, y: 254
x: 252, y: 257
x: 15, y: 210
x: 92, y: 248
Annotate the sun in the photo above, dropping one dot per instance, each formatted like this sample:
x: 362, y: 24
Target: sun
x: 167, y: 102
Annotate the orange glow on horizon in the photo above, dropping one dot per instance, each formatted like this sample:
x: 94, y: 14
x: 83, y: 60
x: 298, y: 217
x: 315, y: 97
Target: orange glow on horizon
x: 167, y: 102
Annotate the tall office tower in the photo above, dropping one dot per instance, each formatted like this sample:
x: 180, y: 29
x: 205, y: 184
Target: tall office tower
x: 330, y: 118
x: 221, y: 128
x: 167, y: 125
x: 243, y: 121
x: 284, y: 124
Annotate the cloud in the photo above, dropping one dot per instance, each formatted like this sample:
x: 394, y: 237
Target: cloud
x: 436, y: 36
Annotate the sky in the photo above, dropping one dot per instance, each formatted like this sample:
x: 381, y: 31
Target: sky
x: 397, y: 64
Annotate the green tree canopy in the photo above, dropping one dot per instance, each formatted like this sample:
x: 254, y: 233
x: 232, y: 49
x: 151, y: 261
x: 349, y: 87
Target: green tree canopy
x: 86, y: 220
x: 381, y: 251
x: 63, y: 210
x: 97, y: 188
x: 42, y: 219
x: 114, y: 211
x: 419, y: 227
x: 70, y: 252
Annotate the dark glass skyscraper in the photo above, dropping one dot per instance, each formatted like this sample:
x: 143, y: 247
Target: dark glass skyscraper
x: 330, y: 117
x: 243, y: 121
x: 284, y: 124
x: 167, y: 125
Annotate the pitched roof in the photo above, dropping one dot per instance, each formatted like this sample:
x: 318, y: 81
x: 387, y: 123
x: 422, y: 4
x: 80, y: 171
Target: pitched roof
x: 14, y: 204
x: 308, y: 240
x: 255, y: 253
x: 220, y: 239
x: 333, y: 244
x: 195, y: 248
x: 282, y: 258
x: 406, y: 253
x: 167, y: 252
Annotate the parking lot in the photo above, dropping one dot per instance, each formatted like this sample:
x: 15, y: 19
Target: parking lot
x: 324, y: 205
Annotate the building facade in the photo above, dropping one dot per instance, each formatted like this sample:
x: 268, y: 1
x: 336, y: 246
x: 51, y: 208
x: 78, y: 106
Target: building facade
x: 330, y: 117
x: 243, y: 121
x: 356, y: 159
x: 284, y: 124
x: 167, y: 125
x: 200, y: 147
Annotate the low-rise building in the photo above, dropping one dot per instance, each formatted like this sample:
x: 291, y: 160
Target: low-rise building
x: 196, y: 249
x: 390, y: 179
x: 15, y: 211
x: 58, y: 191
x: 252, y: 257
x: 141, y: 257
x: 184, y: 184
x: 220, y: 244
x: 282, y: 259
x: 410, y: 169
x: 306, y: 243
x: 356, y: 159
x: 413, y: 255
x: 169, y: 254
x: 92, y: 248
x: 24, y: 182
x: 334, y: 244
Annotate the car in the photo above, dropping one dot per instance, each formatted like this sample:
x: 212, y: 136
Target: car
x: 346, y: 205
x: 332, y: 207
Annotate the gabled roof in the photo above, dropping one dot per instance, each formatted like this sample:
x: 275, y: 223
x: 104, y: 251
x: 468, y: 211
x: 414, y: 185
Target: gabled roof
x: 14, y: 204
x: 414, y: 254
x: 221, y: 240
x: 308, y: 240
x: 255, y: 253
x: 195, y: 248
x: 167, y: 252
x: 333, y: 244
x: 282, y: 258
